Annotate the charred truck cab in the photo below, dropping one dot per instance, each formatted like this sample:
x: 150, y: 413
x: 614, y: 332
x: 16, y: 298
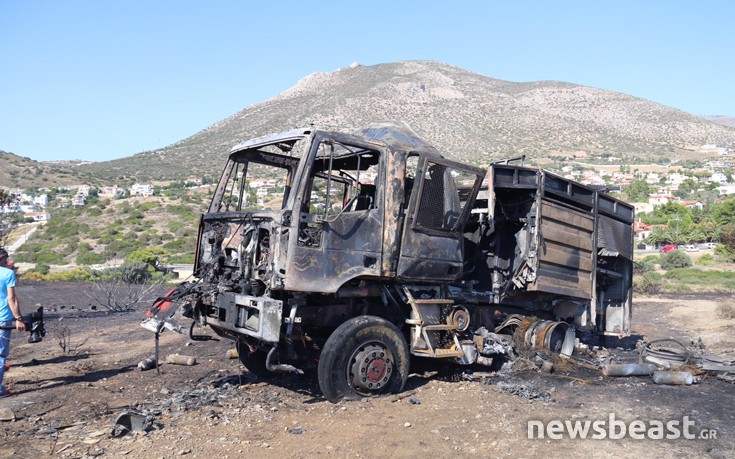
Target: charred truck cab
x: 353, y: 252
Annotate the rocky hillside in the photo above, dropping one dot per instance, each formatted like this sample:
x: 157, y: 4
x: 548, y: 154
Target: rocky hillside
x: 468, y: 116
x: 724, y: 120
x: 20, y: 172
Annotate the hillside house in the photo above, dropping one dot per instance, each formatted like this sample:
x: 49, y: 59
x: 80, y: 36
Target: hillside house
x: 591, y: 178
x: 641, y: 230
x: 79, y: 200
x: 718, y: 177
x: 660, y: 199
x: 141, y: 189
x: 83, y: 190
x: 692, y: 204
x: 726, y: 189
x: 652, y: 178
x: 113, y: 192
x: 10, y: 208
x: 675, y: 179
x: 642, y: 207
x: 38, y: 216
x: 41, y: 200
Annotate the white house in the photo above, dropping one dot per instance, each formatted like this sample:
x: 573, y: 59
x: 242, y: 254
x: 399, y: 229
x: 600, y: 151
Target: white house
x: 141, y: 189
x: 652, y: 178
x: 642, y: 207
x: 660, y: 199
x: 676, y: 179
x: 718, y: 177
x: 38, y: 216
x: 726, y: 189
x: 41, y: 200
x: 692, y: 204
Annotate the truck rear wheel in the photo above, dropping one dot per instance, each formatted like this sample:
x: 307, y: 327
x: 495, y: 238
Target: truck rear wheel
x: 253, y: 360
x: 365, y: 356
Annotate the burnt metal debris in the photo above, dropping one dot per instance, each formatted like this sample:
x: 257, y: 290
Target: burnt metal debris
x: 355, y: 253
x: 679, y: 363
x: 131, y: 421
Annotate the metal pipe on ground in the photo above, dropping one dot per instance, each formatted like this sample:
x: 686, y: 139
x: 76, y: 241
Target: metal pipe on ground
x: 673, y: 378
x: 628, y: 369
x: 179, y: 359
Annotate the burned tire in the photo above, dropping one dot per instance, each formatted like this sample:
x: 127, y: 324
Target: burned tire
x: 254, y: 361
x: 364, y: 356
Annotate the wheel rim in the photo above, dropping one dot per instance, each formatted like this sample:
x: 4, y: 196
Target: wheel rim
x: 371, y: 368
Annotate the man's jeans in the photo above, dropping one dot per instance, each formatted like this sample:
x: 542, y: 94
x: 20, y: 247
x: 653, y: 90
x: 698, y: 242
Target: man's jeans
x: 4, y: 350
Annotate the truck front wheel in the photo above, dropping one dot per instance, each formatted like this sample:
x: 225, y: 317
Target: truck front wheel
x: 365, y: 356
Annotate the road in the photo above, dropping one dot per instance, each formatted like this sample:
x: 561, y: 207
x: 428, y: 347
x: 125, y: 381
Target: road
x: 21, y: 240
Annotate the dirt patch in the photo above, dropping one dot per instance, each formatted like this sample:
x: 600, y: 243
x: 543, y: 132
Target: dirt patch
x: 65, y: 404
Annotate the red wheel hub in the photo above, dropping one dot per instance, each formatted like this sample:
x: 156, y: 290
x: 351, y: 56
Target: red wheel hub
x: 371, y: 368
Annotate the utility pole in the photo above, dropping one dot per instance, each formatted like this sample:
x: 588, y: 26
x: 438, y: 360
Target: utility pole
x: 676, y: 218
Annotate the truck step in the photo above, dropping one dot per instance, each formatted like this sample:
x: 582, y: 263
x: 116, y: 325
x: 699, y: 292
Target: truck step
x: 436, y: 301
x: 439, y: 353
x: 439, y: 327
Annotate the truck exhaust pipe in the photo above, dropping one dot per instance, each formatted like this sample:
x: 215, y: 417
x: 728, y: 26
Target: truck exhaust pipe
x: 279, y: 367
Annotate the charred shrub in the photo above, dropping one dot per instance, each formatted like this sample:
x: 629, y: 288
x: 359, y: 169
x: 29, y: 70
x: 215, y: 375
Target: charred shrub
x: 646, y: 265
x: 726, y: 310
x: 63, y: 336
x: 650, y: 283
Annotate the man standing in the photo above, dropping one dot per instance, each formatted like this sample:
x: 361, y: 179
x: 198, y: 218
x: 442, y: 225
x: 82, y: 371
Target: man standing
x: 9, y: 311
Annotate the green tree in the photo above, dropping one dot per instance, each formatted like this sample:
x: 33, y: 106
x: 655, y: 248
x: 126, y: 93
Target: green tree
x: 724, y: 213
x: 659, y: 235
x: 686, y: 188
x: 150, y: 256
x: 90, y: 258
x: 637, y: 191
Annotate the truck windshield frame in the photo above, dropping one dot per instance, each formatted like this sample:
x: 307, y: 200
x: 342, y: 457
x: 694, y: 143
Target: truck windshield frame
x: 257, y: 179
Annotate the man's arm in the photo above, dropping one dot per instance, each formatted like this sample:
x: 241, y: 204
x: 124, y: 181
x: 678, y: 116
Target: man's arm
x: 15, y: 308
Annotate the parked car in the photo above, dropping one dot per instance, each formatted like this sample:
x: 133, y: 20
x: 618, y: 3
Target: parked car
x: 691, y: 248
x: 710, y: 245
x: 668, y: 248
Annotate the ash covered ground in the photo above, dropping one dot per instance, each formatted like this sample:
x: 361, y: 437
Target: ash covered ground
x: 66, y: 402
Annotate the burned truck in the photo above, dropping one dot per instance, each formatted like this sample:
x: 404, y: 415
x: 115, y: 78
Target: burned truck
x: 351, y: 254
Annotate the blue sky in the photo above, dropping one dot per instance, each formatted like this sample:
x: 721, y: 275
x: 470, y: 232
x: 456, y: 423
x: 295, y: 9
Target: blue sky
x: 97, y: 80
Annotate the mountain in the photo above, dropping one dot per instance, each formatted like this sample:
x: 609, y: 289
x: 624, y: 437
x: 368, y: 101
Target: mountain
x: 468, y: 116
x: 21, y: 172
x: 721, y: 119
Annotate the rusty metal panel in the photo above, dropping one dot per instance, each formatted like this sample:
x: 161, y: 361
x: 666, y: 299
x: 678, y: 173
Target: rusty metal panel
x: 570, y: 218
x: 348, y: 247
x: 615, y: 236
x: 565, y: 251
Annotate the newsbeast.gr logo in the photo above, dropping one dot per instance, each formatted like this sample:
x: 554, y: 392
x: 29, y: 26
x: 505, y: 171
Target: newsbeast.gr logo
x: 615, y: 429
